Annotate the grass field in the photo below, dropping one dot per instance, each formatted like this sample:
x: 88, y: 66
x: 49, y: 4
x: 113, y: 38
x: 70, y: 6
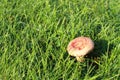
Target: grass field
x: 34, y: 35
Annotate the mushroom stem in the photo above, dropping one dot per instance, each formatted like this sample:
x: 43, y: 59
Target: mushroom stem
x: 80, y: 58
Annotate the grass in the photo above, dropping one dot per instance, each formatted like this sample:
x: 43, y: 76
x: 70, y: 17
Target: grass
x: 34, y: 35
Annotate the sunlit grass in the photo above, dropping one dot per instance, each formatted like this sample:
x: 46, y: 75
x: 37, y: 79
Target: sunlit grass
x: 34, y: 35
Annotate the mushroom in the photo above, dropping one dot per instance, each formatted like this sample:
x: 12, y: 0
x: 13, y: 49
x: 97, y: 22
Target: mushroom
x: 79, y: 47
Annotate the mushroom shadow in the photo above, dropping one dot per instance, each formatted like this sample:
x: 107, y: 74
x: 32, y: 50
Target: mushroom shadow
x: 100, y: 49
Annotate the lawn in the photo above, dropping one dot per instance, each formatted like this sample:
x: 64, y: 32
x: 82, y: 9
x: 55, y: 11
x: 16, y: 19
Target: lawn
x: 34, y: 35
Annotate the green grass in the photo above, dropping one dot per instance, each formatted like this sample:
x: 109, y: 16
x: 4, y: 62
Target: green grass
x: 34, y: 35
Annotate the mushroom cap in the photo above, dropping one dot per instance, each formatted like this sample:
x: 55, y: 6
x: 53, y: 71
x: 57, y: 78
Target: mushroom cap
x: 80, y: 46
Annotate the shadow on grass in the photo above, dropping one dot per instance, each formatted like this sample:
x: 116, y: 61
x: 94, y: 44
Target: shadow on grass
x: 100, y: 49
